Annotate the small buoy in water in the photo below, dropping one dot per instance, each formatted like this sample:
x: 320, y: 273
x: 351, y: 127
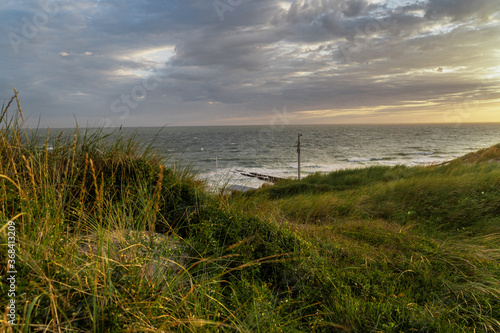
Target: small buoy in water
x: 202, y: 149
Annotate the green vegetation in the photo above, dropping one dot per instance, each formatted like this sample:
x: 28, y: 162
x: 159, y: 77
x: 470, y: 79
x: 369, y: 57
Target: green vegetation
x: 109, y: 239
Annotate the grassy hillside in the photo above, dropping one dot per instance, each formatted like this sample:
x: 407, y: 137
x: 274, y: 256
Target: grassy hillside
x: 110, y: 239
x: 398, y: 249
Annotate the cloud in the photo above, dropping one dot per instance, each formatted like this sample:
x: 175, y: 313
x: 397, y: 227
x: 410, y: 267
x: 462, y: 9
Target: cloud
x: 461, y: 9
x: 354, y: 8
x: 304, y: 54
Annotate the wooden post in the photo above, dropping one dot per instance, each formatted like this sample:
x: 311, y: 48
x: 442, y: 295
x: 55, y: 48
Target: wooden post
x: 298, y: 153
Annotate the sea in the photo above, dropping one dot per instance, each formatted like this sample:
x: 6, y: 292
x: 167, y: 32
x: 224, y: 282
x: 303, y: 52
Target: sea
x: 219, y: 154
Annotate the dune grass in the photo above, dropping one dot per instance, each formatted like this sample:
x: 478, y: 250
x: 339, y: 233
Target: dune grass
x: 112, y: 239
x: 404, y: 248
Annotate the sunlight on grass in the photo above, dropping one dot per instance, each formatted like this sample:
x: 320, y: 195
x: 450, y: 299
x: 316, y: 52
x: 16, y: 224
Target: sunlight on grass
x: 113, y: 238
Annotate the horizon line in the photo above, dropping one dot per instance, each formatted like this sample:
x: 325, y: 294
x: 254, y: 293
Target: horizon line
x: 281, y: 125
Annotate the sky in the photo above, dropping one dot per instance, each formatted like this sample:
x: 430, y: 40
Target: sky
x: 241, y: 62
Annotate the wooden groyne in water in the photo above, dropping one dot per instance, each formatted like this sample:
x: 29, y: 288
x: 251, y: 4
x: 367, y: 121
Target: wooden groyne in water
x: 267, y: 178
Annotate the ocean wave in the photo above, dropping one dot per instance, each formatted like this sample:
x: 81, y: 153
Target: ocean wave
x: 359, y: 159
x: 369, y: 159
x: 416, y: 153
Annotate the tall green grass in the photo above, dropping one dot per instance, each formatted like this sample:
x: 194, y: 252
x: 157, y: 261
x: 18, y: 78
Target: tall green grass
x: 457, y: 196
x: 112, y: 239
x: 398, y: 249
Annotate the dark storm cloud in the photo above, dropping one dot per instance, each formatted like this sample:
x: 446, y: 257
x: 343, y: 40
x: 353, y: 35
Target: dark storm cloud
x: 461, y: 9
x: 185, y: 61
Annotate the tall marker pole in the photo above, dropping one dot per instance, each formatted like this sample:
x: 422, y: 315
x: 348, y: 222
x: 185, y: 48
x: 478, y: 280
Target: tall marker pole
x: 298, y: 152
